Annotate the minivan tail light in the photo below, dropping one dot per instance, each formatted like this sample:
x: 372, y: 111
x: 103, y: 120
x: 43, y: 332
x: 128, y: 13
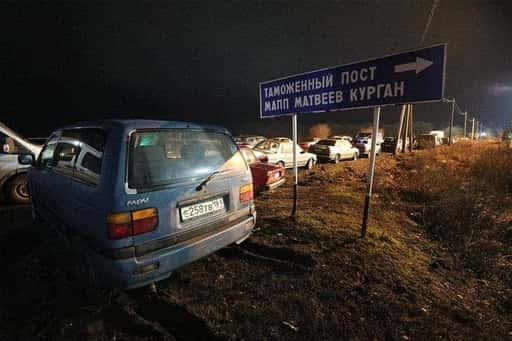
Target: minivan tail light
x: 119, y: 225
x: 127, y: 224
x: 246, y: 193
x: 144, y: 220
x: 117, y: 231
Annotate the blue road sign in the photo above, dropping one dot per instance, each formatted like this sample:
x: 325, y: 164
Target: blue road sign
x: 409, y: 77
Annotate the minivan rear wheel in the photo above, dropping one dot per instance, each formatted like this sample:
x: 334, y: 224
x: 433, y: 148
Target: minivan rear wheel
x: 17, y: 190
x: 337, y: 158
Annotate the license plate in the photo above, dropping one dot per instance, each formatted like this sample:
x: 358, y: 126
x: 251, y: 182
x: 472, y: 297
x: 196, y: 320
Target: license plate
x: 202, y: 208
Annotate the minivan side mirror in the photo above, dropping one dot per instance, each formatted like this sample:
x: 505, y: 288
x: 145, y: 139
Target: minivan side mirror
x: 26, y: 159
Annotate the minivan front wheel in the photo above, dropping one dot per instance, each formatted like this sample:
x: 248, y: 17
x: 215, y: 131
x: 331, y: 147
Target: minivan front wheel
x: 17, y: 190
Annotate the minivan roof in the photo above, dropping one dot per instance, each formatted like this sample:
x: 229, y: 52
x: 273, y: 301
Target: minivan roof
x: 143, y: 124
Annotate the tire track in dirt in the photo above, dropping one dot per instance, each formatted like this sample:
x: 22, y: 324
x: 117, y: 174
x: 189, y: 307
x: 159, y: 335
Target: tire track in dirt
x: 280, y: 259
x: 157, y: 315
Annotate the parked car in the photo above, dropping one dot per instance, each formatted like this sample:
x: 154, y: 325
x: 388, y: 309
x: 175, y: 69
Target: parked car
x: 138, y: 199
x: 390, y: 144
x: 344, y: 137
x: 426, y: 141
x: 13, y: 175
x: 279, y: 151
x: 306, y: 144
x: 364, y: 143
x: 248, y: 141
x: 265, y: 176
x: 334, y: 150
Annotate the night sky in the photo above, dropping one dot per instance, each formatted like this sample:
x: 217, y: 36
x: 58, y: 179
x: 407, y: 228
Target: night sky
x: 62, y: 62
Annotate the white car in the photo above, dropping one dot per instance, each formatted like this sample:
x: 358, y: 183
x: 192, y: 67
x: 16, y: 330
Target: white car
x: 13, y: 175
x: 345, y: 137
x: 248, y: 141
x: 279, y: 151
x: 364, y: 143
x: 334, y: 150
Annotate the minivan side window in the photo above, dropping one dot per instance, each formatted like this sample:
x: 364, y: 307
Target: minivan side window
x: 87, y: 166
x: 65, y: 156
x: 46, y: 157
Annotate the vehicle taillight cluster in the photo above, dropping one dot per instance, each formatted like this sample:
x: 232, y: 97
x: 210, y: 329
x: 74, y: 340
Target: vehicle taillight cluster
x: 272, y: 176
x: 246, y: 193
x: 127, y: 224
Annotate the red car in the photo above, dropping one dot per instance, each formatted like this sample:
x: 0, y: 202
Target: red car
x: 264, y: 175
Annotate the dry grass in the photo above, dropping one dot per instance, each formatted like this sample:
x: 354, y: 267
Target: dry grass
x: 464, y: 199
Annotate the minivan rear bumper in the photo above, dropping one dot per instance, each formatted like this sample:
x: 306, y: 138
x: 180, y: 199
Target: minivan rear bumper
x: 120, y: 273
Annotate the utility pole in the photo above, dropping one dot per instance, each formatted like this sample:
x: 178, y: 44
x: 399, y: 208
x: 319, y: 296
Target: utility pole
x: 402, y: 117
x: 450, y: 140
x: 465, y: 122
x: 473, y: 129
x: 477, y: 134
x: 406, y: 131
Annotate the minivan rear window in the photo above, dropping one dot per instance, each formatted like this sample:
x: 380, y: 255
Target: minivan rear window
x: 164, y: 157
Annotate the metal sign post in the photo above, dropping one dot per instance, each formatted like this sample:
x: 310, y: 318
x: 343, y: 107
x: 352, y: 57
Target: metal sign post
x: 411, y: 131
x: 371, y: 171
x: 295, y: 170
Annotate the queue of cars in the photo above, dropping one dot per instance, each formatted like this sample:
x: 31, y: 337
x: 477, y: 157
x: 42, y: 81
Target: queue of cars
x: 137, y: 199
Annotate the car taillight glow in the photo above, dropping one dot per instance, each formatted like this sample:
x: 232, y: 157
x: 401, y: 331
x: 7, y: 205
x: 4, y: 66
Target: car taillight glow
x: 117, y: 231
x: 246, y: 193
x: 144, y: 225
x: 127, y: 224
x: 272, y: 176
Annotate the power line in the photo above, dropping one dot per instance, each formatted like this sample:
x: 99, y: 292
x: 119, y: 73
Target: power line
x: 429, y: 21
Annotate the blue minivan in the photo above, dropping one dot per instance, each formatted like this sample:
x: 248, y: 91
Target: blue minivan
x: 140, y: 198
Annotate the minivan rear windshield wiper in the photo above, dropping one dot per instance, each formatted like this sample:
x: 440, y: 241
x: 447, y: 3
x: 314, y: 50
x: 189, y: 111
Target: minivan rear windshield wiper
x: 209, y: 178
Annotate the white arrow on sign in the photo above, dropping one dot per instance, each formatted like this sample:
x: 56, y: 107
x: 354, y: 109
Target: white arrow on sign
x: 419, y: 65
